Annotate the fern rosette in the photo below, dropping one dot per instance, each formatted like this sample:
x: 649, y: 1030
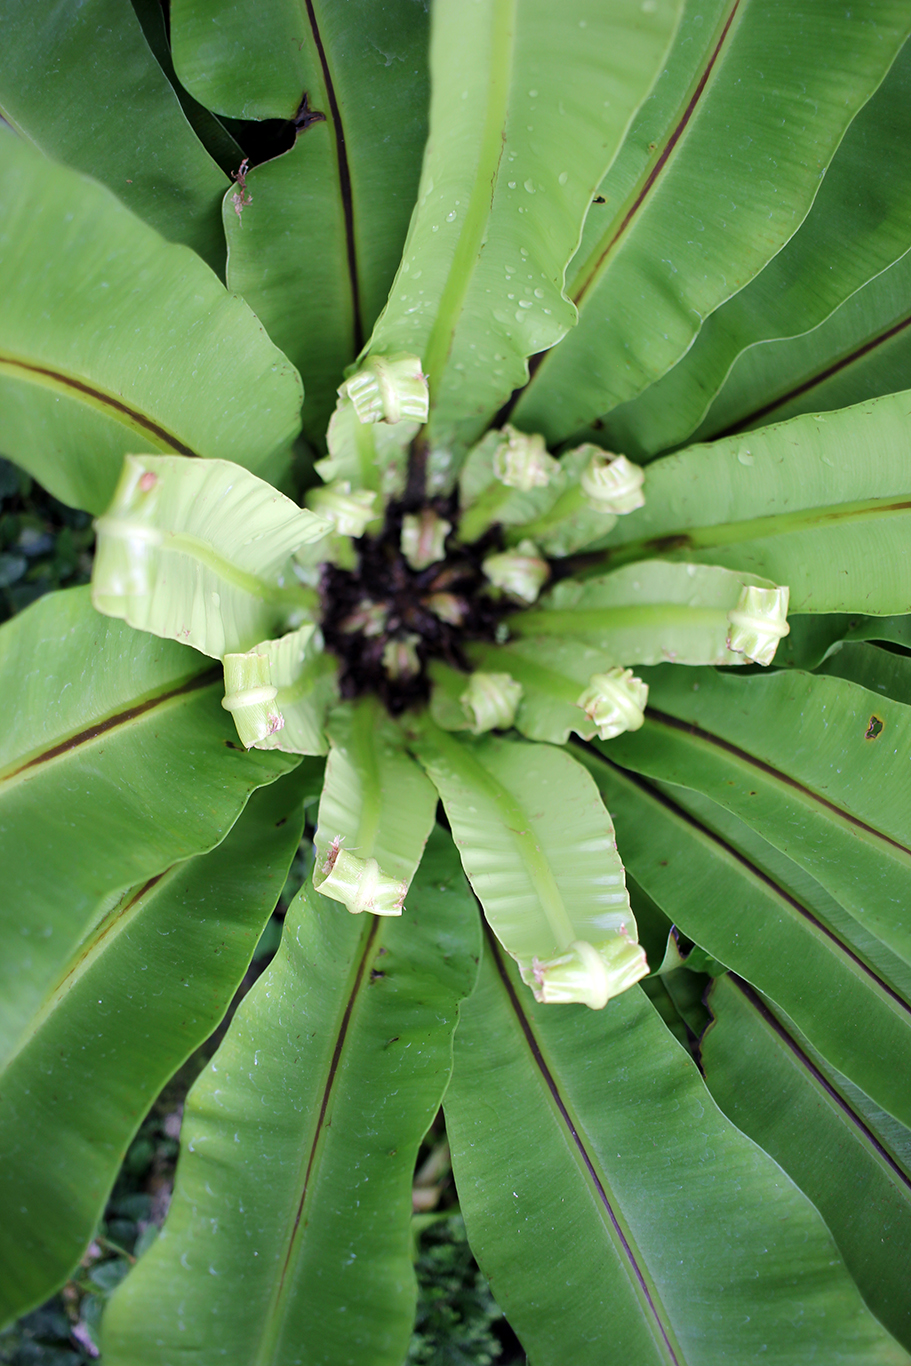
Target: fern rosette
x: 494, y: 418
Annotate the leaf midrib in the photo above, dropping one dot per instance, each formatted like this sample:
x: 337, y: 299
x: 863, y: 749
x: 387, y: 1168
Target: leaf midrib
x: 516, y: 825
x: 195, y: 548
x: 793, y: 905
x: 98, y: 729
x: 778, y: 776
x: 621, y: 1237
x: 471, y: 237
x: 570, y: 621
x: 832, y: 1094
x: 857, y: 353
x: 100, y: 939
x: 676, y: 545
x: 115, y: 408
x: 277, y: 1310
x: 598, y: 258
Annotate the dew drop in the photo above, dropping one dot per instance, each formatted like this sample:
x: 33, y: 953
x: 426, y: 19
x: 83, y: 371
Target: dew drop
x: 563, y: 177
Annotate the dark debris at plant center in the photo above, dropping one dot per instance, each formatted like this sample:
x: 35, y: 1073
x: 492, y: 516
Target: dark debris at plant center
x: 384, y: 601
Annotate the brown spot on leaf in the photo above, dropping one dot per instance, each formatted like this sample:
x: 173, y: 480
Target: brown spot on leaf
x: 875, y: 728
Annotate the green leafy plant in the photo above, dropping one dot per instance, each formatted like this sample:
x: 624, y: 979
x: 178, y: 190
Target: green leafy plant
x: 576, y: 593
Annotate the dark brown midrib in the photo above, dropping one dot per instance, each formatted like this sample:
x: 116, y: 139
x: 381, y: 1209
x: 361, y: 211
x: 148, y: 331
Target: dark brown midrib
x: 690, y: 728
x: 103, y: 399
x: 109, y: 924
x: 759, y: 413
x: 654, y: 173
x: 327, y: 1091
x: 344, y: 180
x: 792, y: 1045
x: 551, y: 1084
x: 120, y: 718
x: 754, y: 871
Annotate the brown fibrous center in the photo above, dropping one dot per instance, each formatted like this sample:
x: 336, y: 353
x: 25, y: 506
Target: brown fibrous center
x: 383, y: 613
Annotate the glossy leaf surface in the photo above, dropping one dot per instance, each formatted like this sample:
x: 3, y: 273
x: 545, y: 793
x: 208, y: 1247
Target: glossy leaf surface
x: 830, y: 795
x: 529, y: 105
x: 313, y: 1109
x: 376, y: 801
x: 589, y: 1142
x: 71, y: 72
x: 851, y: 1160
x: 315, y: 248
x: 735, y: 902
x: 700, y: 221
x: 78, y: 271
x: 858, y: 353
x: 535, y: 841
x: 819, y: 503
x: 145, y: 987
x: 118, y: 763
x: 647, y: 612
x: 860, y: 223
x: 201, y: 553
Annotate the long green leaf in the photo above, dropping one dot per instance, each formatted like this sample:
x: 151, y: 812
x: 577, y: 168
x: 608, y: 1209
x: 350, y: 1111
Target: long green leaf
x: 553, y: 673
x: 143, y: 989
x: 210, y: 130
x: 79, y: 274
x: 824, y: 1133
x: 726, y: 184
x: 647, y: 612
x: 538, y: 848
x: 376, y: 801
x: 860, y: 223
x: 619, y: 1216
x: 723, y: 893
x: 809, y: 733
x: 858, y: 353
x: 820, y: 503
x: 118, y: 762
x: 529, y: 105
x: 813, y: 637
x: 794, y: 804
x: 315, y: 249
x: 300, y: 1142
x: 200, y: 552
x: 74, y: 72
